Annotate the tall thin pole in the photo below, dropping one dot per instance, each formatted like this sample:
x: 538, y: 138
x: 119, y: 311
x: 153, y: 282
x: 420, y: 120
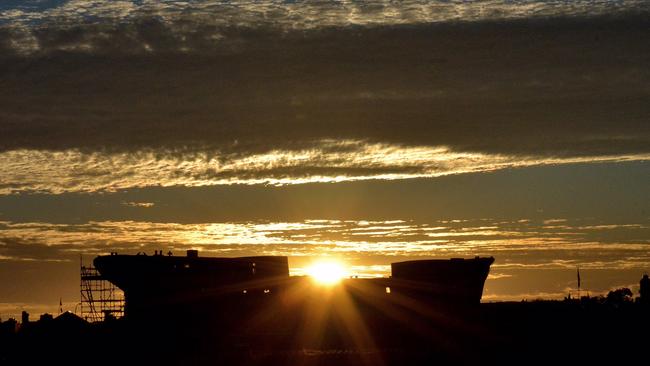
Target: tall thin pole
x: 578, y: 272
x: 81, y: 287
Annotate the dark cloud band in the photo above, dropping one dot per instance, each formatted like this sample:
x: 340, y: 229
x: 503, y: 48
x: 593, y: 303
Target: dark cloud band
x: 559, y: 87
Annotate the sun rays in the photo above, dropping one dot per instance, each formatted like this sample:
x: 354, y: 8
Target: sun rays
x: 334, y: 313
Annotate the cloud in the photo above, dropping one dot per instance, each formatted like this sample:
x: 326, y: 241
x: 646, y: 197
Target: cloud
x: 527, y: 296
x: 533, y: 246
x: 528, y: 265
x: 327, y: 161
x: 29, y: 249
x: 497, y: 276
x: 303, y: 14
x: 138, y: 204
x: 426, y: 84
x: 144, y: 95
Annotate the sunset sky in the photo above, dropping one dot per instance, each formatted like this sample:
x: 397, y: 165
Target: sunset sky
x: 373, y: 132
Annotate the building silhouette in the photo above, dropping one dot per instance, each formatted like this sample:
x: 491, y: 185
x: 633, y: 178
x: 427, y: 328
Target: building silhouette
x: 644, y: 290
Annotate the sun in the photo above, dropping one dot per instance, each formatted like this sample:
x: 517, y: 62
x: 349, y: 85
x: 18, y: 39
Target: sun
x: 326, y: 273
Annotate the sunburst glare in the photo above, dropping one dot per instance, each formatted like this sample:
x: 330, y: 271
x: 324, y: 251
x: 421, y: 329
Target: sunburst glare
x: 326, y: 273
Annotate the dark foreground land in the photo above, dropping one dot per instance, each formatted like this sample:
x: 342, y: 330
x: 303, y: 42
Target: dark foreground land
x: 538, y: 333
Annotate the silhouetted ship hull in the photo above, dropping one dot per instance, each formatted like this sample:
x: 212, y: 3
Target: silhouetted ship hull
x: 222, y: 289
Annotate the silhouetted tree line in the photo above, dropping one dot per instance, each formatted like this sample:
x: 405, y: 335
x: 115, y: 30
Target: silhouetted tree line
x: 619, y: 297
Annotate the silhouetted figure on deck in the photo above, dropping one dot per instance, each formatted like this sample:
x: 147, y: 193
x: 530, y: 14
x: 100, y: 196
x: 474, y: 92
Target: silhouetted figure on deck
x: 644, y: 290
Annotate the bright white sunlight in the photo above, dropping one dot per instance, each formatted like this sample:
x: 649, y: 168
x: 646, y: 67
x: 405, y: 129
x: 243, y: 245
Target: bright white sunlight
x: 326, y: 273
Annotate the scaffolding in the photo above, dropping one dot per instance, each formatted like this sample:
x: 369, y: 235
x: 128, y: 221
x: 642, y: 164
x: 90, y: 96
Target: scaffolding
x: 100, y: 299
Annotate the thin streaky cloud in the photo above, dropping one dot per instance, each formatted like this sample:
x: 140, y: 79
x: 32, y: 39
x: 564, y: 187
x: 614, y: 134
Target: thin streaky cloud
x: 76, y: 171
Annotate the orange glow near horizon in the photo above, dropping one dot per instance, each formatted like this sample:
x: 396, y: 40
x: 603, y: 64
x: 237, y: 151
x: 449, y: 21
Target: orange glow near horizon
x: 326, y: 272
